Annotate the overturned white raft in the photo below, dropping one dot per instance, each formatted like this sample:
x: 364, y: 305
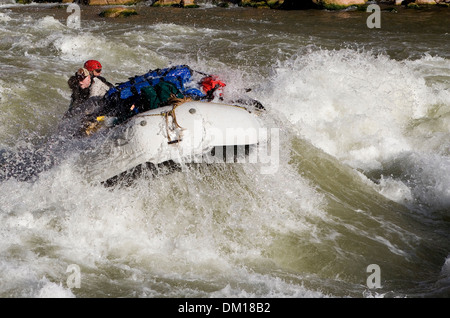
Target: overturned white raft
x: 178, y: 133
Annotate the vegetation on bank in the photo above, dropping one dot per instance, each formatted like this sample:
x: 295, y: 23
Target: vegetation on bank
x: 118, y: 13
x: 268, y: 4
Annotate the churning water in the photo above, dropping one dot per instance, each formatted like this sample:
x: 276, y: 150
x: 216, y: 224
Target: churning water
x: 364, y: 158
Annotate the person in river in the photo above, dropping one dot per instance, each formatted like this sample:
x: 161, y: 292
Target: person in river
x: 87, y: 82
x: 87, y: 97
x: 95, y: 69
x: 80, y: 84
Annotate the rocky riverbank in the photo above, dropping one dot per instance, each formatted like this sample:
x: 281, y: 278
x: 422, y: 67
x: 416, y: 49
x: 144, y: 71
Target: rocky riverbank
x: 270, y: 4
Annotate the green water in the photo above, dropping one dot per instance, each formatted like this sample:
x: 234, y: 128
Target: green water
x: 362, y: 178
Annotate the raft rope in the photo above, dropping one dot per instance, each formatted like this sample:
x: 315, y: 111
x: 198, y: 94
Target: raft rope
x: 175, y: 102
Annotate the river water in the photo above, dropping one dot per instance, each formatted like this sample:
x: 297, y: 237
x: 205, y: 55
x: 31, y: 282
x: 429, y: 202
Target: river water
x: 359, y: 205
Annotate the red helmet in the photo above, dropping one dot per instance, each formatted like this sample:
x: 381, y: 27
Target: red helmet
x: 92, y: 65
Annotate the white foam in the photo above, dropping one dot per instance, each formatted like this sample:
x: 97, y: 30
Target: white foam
x: 7, y: 3
x: 271, y: 288
x: 429, y: 179
x: 52, y: 290
x: 4, y: 17
x: 181, y: 226
x: 49, y: 22
x: 367, y: 110
x: 353, y: 105
x: 78, y: 47
x: 444, y: 278
x: 125, y: 59
x: 395, y: 190
x: 445, y: 270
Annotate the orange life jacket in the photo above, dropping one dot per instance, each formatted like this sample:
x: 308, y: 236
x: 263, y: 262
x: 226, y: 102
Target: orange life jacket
x: 210, y: 84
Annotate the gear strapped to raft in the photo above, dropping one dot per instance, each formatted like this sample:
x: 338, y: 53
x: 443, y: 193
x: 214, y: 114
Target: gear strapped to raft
x: 178, y: 75
x: 154, y: 89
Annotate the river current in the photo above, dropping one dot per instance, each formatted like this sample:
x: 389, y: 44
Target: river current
x: 359, y: 205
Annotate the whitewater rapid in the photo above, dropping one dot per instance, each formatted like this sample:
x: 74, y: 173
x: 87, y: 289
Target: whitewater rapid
x: 363, y: 174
